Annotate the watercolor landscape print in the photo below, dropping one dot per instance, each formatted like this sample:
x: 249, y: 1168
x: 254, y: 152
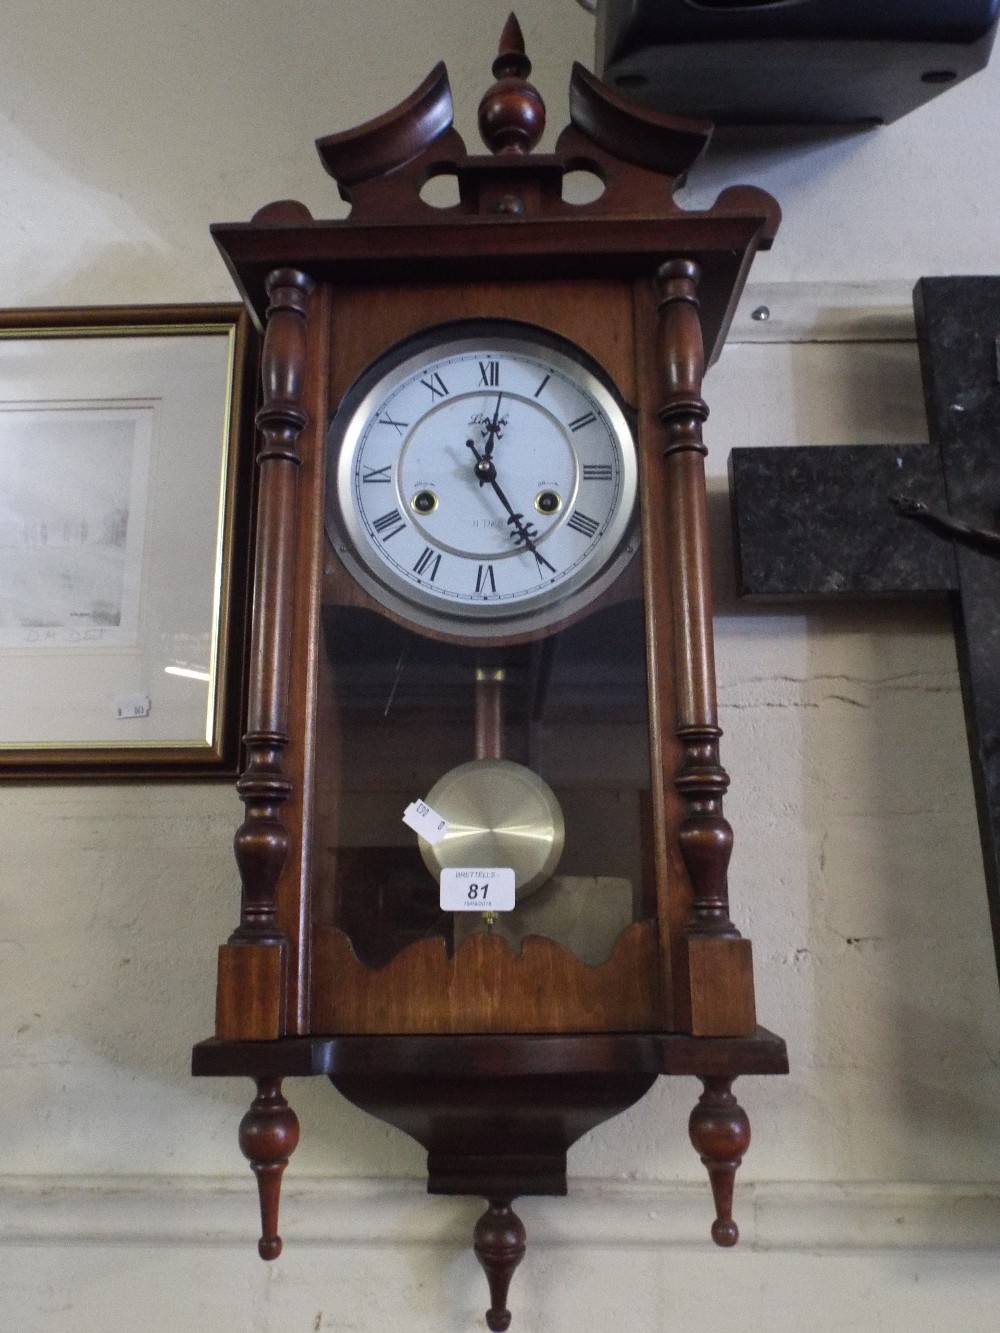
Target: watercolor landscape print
x: 73, y: 500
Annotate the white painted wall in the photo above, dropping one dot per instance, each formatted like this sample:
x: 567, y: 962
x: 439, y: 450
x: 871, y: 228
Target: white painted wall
x: 870, y: 1197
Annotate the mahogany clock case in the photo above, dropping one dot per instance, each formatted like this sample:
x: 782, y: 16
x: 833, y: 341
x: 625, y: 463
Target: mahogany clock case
x: 498, y: 1049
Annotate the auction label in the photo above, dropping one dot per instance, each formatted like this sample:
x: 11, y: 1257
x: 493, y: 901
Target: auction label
x: 477, y: 890
x: 128, y: 706
x: 427, y: 822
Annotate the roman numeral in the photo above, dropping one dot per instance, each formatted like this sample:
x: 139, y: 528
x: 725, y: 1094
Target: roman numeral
x: 485, y: 577
x: 389, y: 524
x: 388, y: 421
x: 597, y: 471
x: 581, y: 523
x: 429, y: 559
x: 542, y: 385
x: 587, y: 419
x: 437, y: 386
x: 377, y: 473
x: 489, y: 373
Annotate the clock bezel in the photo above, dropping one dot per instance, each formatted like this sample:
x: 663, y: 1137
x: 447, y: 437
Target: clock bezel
x: 421, y: 605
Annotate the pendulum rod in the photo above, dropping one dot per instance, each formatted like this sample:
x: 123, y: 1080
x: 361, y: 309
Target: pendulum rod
x: 490, y: 712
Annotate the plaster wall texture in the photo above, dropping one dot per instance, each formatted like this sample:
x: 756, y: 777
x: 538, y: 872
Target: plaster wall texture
x: 871, y: 1195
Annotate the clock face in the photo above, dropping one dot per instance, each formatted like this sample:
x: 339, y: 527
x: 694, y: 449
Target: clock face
x: 483, y: 479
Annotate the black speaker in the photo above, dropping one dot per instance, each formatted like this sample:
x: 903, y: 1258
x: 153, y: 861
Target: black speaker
x: 781, y: 62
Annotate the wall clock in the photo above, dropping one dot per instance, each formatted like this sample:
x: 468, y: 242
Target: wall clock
x: 484, y: 854
x: 482, y: 478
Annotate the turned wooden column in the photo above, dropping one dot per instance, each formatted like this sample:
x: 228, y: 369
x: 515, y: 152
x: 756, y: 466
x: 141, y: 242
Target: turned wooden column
x: 251, y: 997
x: 714, y: 988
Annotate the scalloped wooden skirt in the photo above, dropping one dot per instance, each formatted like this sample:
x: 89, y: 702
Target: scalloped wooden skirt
x: 486, y: 987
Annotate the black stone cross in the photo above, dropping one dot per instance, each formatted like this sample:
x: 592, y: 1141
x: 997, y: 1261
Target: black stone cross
x: 880, y: 520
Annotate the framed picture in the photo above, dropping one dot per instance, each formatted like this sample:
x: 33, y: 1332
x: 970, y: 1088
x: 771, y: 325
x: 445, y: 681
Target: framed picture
x: 126, y: 478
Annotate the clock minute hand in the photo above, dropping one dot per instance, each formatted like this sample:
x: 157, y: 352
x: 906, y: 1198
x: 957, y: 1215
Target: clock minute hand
x: 486, y: 472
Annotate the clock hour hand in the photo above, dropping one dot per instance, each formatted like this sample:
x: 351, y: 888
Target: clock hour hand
x: 486, y: 472
x: 492, y: 430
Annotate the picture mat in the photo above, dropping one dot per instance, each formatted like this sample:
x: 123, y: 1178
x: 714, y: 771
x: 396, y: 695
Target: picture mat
x: 59, y: 698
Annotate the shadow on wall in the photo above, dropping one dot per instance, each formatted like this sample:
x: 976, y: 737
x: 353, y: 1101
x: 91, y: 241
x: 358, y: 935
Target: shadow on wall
x: 797, y: 154
x: 897, y: 894
x: 858, y: 855
x: 181, y: 117
x: 115, y: 899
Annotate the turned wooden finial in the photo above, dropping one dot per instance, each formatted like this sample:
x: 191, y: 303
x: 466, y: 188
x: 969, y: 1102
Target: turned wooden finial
x: 512, y: 113
x: 720, y: 1132
x: 499, y: 1243
x: 269, y: 1134
x: 511, y: 60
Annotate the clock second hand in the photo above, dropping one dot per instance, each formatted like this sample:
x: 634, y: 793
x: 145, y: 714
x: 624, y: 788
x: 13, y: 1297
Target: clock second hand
x: 486, y: 471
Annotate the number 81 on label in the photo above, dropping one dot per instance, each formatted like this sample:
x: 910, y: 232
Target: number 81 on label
x: 477, y: 889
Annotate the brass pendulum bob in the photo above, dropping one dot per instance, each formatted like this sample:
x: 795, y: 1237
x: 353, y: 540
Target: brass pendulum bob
x: 499, y: 813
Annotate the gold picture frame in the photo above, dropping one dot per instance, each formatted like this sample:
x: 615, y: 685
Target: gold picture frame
x: 126, y: 484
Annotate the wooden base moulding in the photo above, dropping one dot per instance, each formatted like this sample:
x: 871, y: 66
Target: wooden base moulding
x: 496, y: 1114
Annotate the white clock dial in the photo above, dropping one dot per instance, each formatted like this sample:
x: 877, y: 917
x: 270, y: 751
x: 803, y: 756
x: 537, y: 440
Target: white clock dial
x: 482, y: 478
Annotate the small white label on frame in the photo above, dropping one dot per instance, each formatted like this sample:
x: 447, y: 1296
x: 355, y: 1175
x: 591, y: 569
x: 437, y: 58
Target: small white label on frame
x: 131, y: 705
x: 427, y: 822
x: 477, y: 890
